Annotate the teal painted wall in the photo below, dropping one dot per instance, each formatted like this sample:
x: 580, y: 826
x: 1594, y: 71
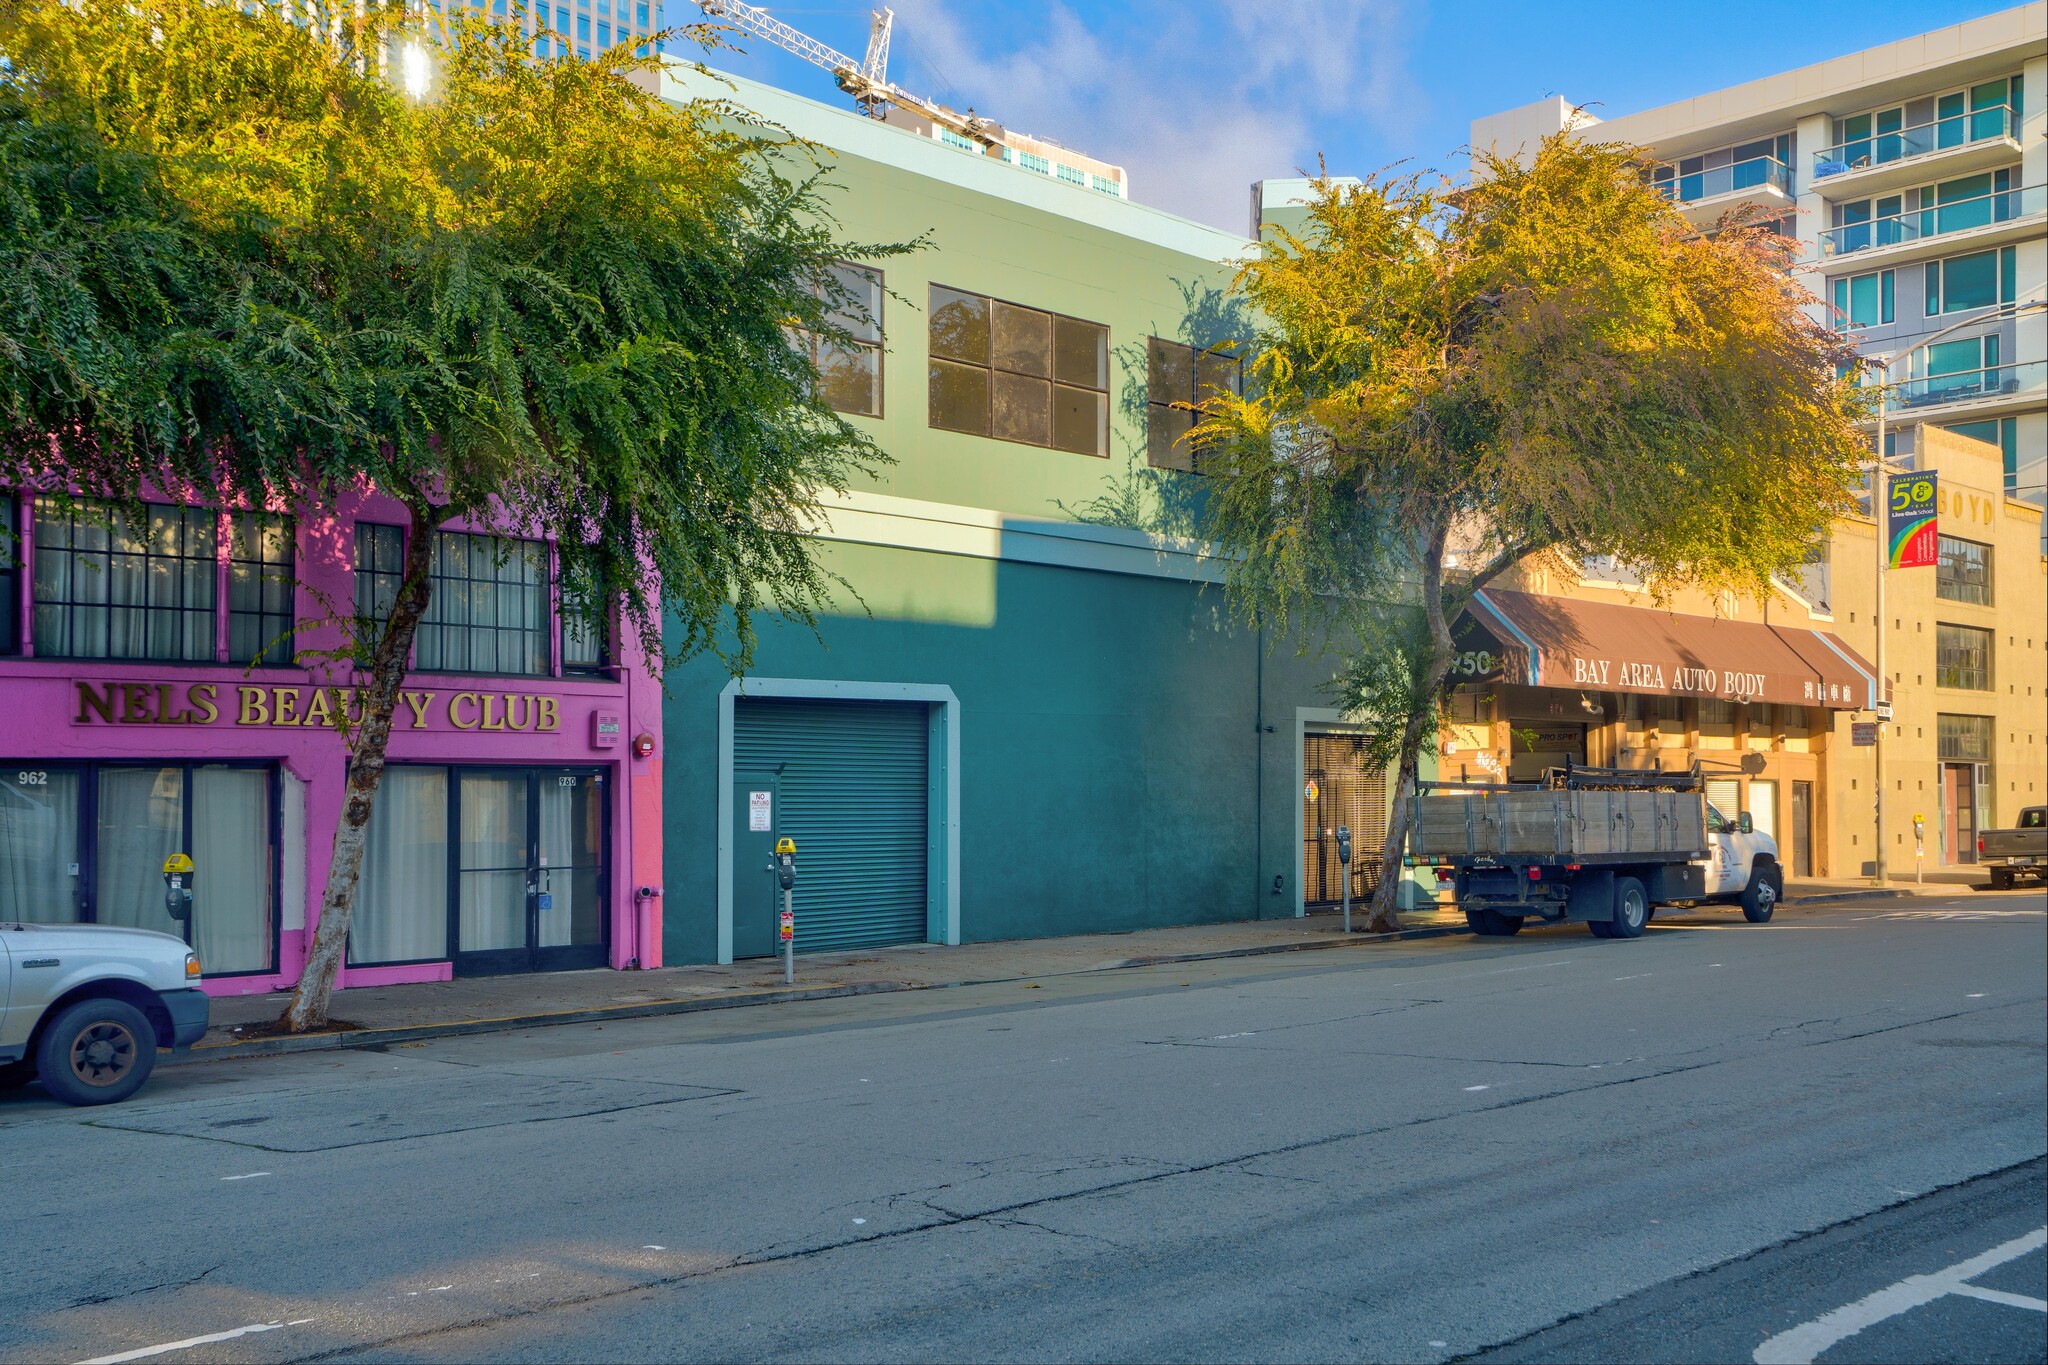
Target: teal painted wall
x: 1110, y: 756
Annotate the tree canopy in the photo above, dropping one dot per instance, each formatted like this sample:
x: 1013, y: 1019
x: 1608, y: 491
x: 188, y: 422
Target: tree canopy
x: 238, y: 264
x: 1449, y: 380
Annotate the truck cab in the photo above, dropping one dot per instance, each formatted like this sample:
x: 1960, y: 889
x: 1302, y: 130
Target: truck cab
x: 1738, y: 850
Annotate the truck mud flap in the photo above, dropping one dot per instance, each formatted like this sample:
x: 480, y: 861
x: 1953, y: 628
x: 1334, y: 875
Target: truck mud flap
x: 1592, y: 897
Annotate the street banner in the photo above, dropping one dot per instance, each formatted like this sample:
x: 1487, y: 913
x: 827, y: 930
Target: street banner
x: 1913, y: 537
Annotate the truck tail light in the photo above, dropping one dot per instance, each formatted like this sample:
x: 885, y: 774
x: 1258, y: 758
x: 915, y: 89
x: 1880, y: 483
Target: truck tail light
x: 1980, y: 848
x: 1535, y: 874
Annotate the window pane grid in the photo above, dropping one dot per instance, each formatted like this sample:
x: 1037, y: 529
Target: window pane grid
x: 488, y: 612
x: 1963, y: 571
x: 260, y: 579
x: 1018, y: 374
x: 106, y: 589
x: 1179, y: 373
x: 1962, y: 658
x: 380, y: 565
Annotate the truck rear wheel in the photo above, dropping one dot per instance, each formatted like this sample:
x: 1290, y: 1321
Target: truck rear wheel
x: 1631, y: 909
x: 1492, y: 923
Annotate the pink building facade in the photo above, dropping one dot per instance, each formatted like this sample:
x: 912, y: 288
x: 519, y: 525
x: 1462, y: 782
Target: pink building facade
x: 151, y: 705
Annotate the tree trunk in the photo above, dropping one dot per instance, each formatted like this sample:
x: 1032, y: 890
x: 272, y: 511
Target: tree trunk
x: 310, y: 999
x: 1428, y: 687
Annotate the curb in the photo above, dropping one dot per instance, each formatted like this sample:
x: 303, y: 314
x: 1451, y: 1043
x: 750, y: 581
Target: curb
x: 374, y: 1038
x: 1840, y: 897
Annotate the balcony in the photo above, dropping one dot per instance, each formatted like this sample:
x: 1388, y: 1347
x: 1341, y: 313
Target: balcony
x: 1998, y: 389
x: 1952, y: 146
x: 1705, y: 195
x: 1987, y: 220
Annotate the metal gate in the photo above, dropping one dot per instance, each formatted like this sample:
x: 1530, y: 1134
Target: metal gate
x: 1338, y: 790
x: 851, y: 784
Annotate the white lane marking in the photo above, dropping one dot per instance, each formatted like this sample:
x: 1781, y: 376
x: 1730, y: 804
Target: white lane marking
x: 1806, y: 1341
x: 144, y: 1352
x: 1978, y: 1291
x: 1974, y: 995
x: 253, y: 1175
x: 1637, y: 977
x: 1470, y: 1088
x: 858, y: 1221
x: 653, y: 1248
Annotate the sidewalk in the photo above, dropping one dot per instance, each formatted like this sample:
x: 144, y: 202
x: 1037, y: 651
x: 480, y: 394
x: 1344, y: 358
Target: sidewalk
x: 384, y: 1015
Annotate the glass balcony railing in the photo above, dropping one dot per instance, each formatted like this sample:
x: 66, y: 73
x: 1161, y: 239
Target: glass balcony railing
x: 1743, y: 175
x: 1997, y: 381
x: 1922, y: 139
x: 1958, y: 216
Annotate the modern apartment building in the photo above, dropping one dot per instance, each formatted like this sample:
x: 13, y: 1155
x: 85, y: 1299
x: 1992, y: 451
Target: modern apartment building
x: 1915, y: 177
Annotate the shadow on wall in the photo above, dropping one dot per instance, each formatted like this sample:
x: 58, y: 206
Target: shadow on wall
x: 1135, y: 495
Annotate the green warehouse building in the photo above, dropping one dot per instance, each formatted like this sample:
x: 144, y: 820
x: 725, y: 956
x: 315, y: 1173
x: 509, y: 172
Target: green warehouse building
x: 1038, y: 717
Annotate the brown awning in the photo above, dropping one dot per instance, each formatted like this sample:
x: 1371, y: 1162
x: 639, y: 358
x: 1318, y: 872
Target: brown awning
x: 1606, y: 647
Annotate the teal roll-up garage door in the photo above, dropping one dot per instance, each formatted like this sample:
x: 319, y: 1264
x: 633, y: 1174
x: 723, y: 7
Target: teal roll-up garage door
x: 852, y: 794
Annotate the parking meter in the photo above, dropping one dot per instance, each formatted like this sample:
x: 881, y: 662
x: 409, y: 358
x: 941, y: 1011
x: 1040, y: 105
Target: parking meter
x: 178, y: 881
x: 1919, y: 846
x: 1344, y: 857
x: 785, y: 877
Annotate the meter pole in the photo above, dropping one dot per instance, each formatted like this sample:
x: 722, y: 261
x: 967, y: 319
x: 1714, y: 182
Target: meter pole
x: 1879, y: 477
x: 788, y: 940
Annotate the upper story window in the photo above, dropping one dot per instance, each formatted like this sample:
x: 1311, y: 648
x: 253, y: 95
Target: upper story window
x: 261, y: 579
x: 1962, y: 658
x: 1018, y: 374
x: 1963, y: 571
x: 1954, y: 118
x: 10, y: 592
x: 1982, y: 279
x: 1748, y: 165
x: 108, y: 586
x: 1864, y: 300
x: 1970, y: 201
x: 586, y: 639
x: 488, y: 611
x: 1179, y: 373
x: 850, y: 372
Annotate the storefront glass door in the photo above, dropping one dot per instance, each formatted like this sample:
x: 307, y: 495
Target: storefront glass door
x: 529, y: 869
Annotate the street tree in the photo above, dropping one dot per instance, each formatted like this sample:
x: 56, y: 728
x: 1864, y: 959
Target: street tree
x: 245, y: 265
x: 1546, y: 364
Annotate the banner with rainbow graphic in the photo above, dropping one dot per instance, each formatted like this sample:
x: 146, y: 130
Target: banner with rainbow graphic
x: 1914, y: 538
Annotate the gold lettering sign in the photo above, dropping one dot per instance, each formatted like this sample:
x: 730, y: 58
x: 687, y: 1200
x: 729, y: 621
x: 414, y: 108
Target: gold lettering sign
x: 300, y: 708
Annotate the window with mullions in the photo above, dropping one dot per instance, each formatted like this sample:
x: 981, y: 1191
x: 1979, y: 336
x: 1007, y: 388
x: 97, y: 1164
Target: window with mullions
x: 260, y: 582
x: 380, y: 566
x: 489, y: 608
x: 86, y: 843
x: 1179, y: 373
x: 1863, y: 300
x: 1018, y: 374
x: 108, y: 586
x: 586, y: 637
x: 1962, y: 573
x: 10, y: 596
x: 850, y: 372
x: 1962, y: 658
x: 1982, y: 279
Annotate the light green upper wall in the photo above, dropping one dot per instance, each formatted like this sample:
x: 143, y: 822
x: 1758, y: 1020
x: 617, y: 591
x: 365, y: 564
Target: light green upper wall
x: 998, y: 230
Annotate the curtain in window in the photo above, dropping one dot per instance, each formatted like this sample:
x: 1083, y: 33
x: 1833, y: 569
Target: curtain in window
x: 39, y: 846
x: 141, y: 821
x: 401, y: 912
x: 231, y: 869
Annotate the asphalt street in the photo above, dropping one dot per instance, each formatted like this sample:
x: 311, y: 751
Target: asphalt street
x: 1718, y: 1142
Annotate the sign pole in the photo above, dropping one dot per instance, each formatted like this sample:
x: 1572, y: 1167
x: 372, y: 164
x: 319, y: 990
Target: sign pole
x: 1880, y: 532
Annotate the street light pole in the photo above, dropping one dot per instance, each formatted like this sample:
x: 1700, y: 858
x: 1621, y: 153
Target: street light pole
x: 1880, y: 468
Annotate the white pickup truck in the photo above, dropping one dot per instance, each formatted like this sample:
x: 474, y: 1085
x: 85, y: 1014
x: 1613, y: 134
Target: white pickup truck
x: 84, y: 1007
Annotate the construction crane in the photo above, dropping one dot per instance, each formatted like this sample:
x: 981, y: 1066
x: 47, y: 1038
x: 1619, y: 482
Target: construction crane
x: 866, y: 80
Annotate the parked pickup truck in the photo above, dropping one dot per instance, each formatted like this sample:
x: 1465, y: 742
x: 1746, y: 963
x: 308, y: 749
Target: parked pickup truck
x: 2019, y: 852
x: 1603, y: 846
x: 84, y: 1007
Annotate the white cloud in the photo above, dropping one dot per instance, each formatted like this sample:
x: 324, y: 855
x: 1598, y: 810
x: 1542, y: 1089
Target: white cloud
x: 1195, y: 98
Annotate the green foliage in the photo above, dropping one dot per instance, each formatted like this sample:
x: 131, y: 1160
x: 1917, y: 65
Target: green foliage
x: 1548, y: 360
x: 239, y: 260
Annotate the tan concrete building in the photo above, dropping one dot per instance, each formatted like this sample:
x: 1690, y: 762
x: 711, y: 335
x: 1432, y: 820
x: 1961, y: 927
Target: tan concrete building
x: 1593, y: 670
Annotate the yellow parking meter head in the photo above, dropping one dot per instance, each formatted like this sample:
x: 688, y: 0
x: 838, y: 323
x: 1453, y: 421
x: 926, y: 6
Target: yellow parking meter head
x: 785, y: 845
x: 177, y: 863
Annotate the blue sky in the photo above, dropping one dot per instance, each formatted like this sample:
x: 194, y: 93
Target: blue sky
x: 1198, y: 98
